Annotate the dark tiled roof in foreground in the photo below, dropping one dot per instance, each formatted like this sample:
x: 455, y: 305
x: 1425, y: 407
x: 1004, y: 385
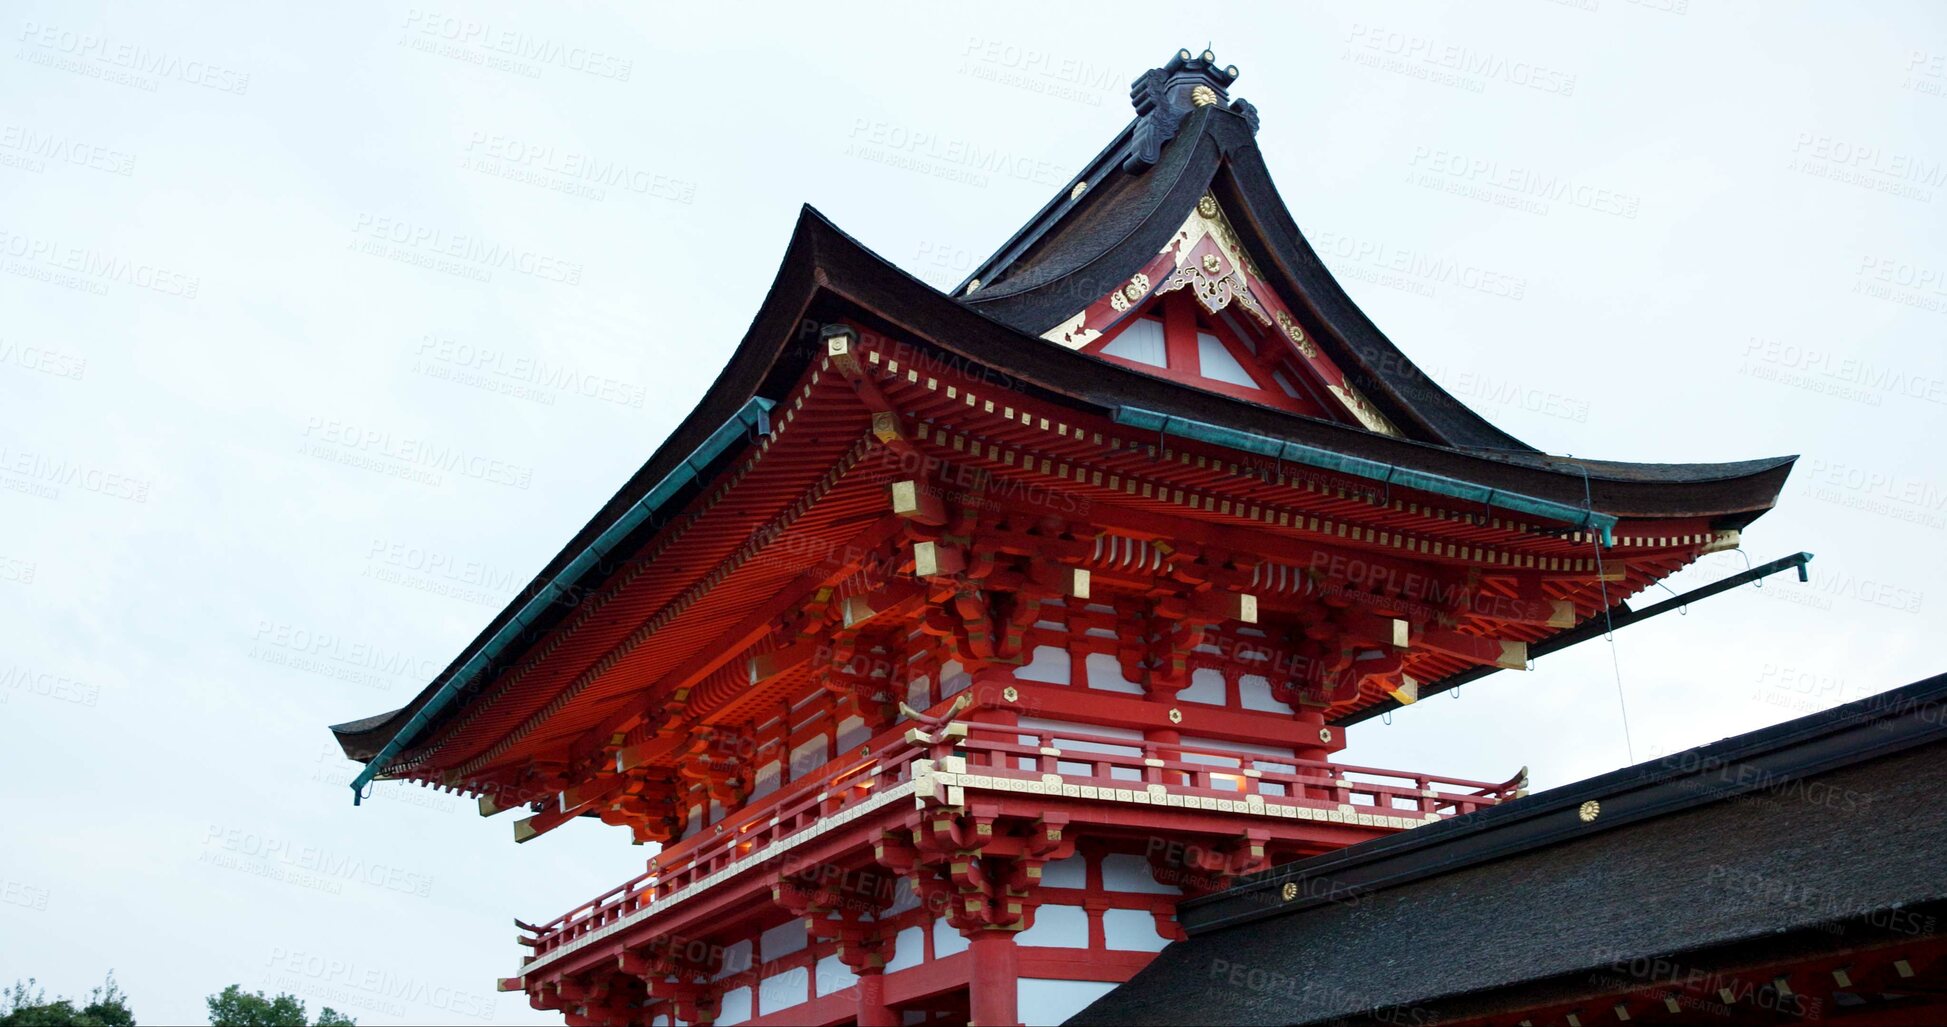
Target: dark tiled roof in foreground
x: 1763, y: 841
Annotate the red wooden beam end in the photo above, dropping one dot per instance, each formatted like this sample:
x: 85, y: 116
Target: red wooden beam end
x: 915, y: 502
x: 936, y: 558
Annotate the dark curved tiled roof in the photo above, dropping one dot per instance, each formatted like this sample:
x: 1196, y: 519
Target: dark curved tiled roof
x: 1075, y: 252
x: 827, y: 276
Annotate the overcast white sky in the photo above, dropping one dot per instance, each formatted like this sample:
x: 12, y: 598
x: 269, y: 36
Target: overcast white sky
x: 213, y: 544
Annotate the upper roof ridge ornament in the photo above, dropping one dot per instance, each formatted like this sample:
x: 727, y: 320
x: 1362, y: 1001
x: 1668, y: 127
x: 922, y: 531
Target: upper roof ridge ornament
x: 1162, y: 96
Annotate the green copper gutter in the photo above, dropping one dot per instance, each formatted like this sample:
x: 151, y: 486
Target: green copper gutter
x: 1391, y: 474
x: 753, y: 414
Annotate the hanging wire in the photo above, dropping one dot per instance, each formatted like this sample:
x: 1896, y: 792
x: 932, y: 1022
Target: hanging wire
x: 1759, y: 582
x: 1683, y: 609
x: 1608, y: 624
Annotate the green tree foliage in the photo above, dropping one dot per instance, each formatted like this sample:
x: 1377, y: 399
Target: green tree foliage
x: 235, y: 1007
x: 26, y: 1005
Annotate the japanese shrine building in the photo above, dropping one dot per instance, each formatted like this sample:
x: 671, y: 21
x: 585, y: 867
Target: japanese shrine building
x: 952, y: 640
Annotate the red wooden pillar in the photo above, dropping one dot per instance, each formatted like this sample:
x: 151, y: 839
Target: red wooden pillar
x: 873, y: 1011
x: 1311, y: 746
x: 1163, y: 745
x: 994, y: 988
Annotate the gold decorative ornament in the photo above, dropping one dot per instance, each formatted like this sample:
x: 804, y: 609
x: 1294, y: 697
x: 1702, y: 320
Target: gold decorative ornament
x: 1136, y: 287
x: 1183, y: 54
x: 1207, y: 205
x: 1589, y: 811
x: 971, y: 286
x: 1118, y: 300
x: 1356, y: 405
x: 1289, y: 891
x: 1080, y: 188
x: 1203, y: 96
x: 1211, y: 264
x: 1297, y: 335
x: 1176, y: 716
x: 1325, y: 734
x: 1011, y: 694
x: 1209, y: 58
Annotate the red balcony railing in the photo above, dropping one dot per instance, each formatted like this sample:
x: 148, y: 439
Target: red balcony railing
x: 1009, y: 751
x: 1002, y: 751
x: 793, y: 808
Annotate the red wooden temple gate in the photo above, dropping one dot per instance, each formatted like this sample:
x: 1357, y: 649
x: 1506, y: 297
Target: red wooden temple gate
x: 954, y: 638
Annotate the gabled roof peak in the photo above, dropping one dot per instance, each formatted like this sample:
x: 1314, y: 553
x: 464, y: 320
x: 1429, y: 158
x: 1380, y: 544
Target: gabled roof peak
x: 1164, y: 96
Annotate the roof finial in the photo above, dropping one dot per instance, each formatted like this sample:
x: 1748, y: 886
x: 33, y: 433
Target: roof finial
x: 1162, y: 96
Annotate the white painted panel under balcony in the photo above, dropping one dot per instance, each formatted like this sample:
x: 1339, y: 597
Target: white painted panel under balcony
x: 1127, y: 872
x: 769, y: 776
x: 1054, y: 732
x: 919, y: 693
x: 904, y: 897
x: 954, y: 679
x: 1057, y: 727
x: 736, y: 959
x: 1050, y: 664
x: 1105, y: 673
x: 784, y: 989
x: 852, y: 733
x: 834, y: 976
x: 1206, y: 686
x: 909, y: 949
x: 784, y: 939
x: 1241, y: 748
x: 809, y: 755
x: 947, y: 939
x: 1132, y: 930
x: 1057, y: 926
x: 735, y: 1007
x: 1066, y: 873
x: 1254, y: 691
